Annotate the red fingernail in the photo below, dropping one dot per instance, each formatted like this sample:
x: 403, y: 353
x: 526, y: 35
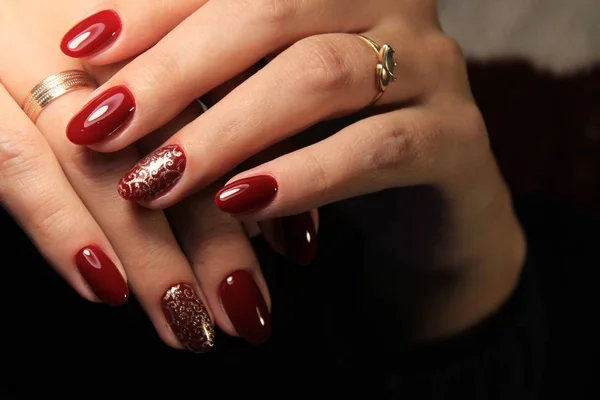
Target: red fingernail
x: 102, y: 275
x: 188, y: 318
x: 298, y: 237
x: 92, y: 34
x: 245, y: 306
x: 247, y: 195
x: 102, y: 117
x: 154, y: 175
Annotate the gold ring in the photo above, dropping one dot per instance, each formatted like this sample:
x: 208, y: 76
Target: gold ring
x: 54, y: 87
x: 385, y: 66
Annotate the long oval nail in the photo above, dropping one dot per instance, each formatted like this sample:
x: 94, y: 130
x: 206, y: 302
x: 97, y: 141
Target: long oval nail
x: 92, y: 35
x: 154, y: 175
x: 188, y: 318
x: 245, y: 306
x: 101, y: 117
x: 102, y: 275
x: 298, y: 237
x: 247, y: 194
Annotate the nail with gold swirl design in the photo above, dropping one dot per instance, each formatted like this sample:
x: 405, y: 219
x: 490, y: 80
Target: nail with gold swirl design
x: 154, y: 175
x: 188, y: 318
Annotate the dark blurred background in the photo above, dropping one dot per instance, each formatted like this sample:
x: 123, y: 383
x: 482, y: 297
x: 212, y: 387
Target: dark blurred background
x: 535, y: 71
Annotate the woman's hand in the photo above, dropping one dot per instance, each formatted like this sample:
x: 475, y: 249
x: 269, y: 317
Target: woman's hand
x: 317, y: 73
x: 424, y: 131
x: 64, y: 197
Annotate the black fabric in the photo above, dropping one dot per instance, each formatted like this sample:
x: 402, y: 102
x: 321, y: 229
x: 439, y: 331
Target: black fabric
x: 541, y: 344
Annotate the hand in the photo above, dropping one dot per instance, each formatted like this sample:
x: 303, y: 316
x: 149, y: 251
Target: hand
x: 425, y: 131
x: 332, y: 73
x: 64, y: 197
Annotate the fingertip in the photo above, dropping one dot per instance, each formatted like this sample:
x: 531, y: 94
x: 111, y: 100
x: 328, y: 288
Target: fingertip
x: 102, y: 118
x: 92, y: 35
x: 102, y: 276
x: 245, y: 306
x: 293, y: 236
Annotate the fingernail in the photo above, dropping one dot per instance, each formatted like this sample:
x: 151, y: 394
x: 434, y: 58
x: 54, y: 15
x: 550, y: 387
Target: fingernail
x: 188, y: 318
x: 298, y: 237
x: 92, y: 34
x: 102, y: 275
x: 154, y: 175
x: 102, y: 117
x: 247, y: 195
x: 245, y: 306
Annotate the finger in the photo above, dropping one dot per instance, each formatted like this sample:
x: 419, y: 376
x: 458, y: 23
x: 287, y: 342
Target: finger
x: 113, y: 31
x: 164, y: 80
x: 58, y: 223
x: 316, y: 79
x: 157, y: 269
x: 225, y: 266
x: 376, y: 153
x: 293, y: 236
x: 221, y: 255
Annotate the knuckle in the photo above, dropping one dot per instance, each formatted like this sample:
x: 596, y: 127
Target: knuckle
x: 274, y: 12
x: 447, y: 52
x: 394, y: 146
x: 146, y: 258
x: 465, y: 144
x: 49, y: 218
x: 17, y: 150
x: 320, y: 183
x: 11, y: 152
x: 325, y: 66
x: 426, y: 7
x: 472, y: 129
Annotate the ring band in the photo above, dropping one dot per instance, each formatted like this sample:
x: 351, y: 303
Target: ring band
x: 54, y: 87
x: 385, y: 66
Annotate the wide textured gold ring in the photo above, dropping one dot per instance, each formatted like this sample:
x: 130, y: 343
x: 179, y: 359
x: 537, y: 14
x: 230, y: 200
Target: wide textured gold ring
x: 52, y: 88
x: 385, y: 66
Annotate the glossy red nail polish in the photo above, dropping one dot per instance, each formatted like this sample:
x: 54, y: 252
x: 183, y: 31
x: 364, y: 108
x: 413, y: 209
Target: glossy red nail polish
x: 102, y: 275
x: 188, y: 318
x: 245, y: 306
x: 154, y: 175
x: 298, y: 237
x: 102, y: 117
x: 247, y: 194
x: 92, y: 35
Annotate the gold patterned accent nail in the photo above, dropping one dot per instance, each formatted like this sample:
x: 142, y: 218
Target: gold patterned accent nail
x: 154, y: 175
x: 188, y: 318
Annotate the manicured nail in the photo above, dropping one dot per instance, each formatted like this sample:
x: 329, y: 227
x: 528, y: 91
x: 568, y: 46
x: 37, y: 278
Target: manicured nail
x: 154, y: 175
x: 245, y: 306
x: 103, y: 116
x: 102, y: 275
x: 188, y: 318
x: 298, y: 237
x: 92, y: 35
x: 247, y: 195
